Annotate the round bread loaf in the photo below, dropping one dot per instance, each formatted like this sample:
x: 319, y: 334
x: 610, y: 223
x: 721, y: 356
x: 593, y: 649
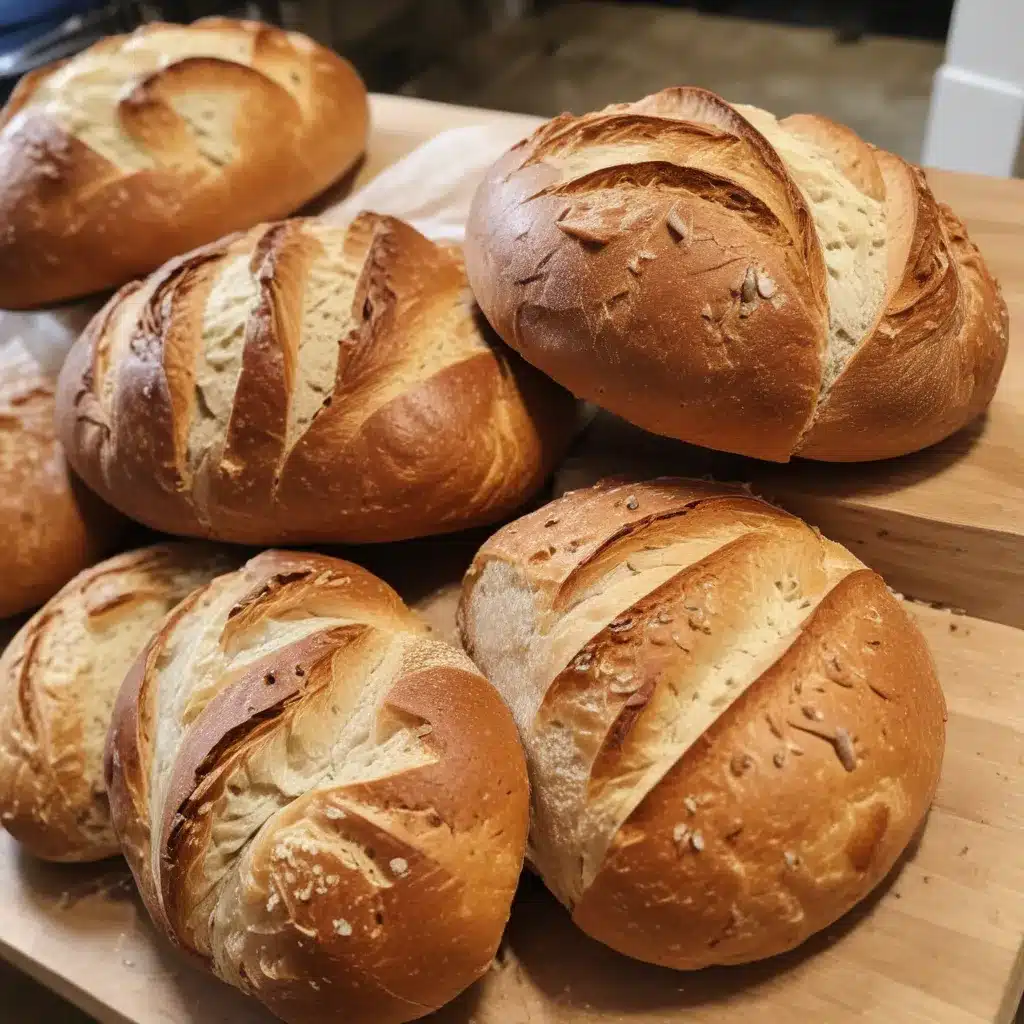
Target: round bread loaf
x: 772, y: 288
x: 147, y: 145
x: 732, y: 728
x: 50, y: 524
x: 325, y: 805
x: 304, y: 383
x: 59, y: 678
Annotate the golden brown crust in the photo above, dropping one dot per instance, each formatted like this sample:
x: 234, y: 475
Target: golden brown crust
x: 733, y: 729
x: 560, y: 540
x: 53, y: 526
x: 666, y: 261
x: 597, y: 275
x: 785, y: 848
x: 59, y: 678
x: 305, y: 383
x: 167, y: 138
x: 312, y: 786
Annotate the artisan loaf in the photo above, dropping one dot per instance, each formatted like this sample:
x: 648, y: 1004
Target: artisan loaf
x: 50, y: 525
x: 319, y: 801
x: 146, y: 145
x: 732, y: 727
x: 59, y: 678
x: 716, y: 275
x: 305, y: 383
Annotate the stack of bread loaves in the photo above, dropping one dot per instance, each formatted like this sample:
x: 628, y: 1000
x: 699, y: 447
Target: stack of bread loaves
x: 728, y: 728
x: 294, y: 383
x: 111, y: 162
x: 302, y: 780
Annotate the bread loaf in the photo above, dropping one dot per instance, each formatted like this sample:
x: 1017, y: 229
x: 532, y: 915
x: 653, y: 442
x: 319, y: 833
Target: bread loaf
x: 732, y: 728
x: 147, y: 145
x: 303, y: 383
x: 59, y: 677
x: 323, y: 804
x: 772, y: 288
x: 50, y: 525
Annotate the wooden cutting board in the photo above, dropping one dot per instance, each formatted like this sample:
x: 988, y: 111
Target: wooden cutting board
x: 942, y: 941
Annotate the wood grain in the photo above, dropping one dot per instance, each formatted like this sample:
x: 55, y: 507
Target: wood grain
x: 942, y: 942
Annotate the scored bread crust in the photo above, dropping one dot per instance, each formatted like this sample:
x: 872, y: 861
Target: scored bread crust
x: 147, y: 145
x: 305, y: 383
x: 51, y: 525
x: 59, y: 678
x: 324, y: 805
x: 934, y: 360
x: 732, y: 728
x: 667, y: 261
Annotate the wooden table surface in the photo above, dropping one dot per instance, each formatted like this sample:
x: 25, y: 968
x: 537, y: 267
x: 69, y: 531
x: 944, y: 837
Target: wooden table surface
x: 942, y: 942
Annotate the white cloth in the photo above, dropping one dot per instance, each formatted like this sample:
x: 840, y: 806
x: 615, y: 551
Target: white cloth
x: 432, y: 187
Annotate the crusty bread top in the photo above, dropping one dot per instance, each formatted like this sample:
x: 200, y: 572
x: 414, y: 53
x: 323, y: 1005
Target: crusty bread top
x: 92, y: 95
x: 851, y: 227
x: 304, y: 382
x: 59, y: 677
x: 146, y: 145
x: 716, y: 275
x: 732, y: 727
x: 325, y: 805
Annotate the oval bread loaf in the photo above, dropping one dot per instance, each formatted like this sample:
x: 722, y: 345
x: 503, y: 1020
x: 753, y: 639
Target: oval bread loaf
x: 732, y: 728
x: 304, y: 383
x: 325, y: 805
x: 146, y: 145
x: 710, y: 273
x: 50, y: 524
x: 59, y: 678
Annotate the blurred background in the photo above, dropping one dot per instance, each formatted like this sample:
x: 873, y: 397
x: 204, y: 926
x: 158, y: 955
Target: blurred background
x: 867, y: 63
